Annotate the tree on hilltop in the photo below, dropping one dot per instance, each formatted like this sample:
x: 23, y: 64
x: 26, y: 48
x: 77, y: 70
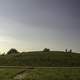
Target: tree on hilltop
x: 12, y: 51
x: 46, y: 50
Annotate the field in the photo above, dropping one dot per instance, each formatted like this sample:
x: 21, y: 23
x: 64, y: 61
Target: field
x: 41, y: 59
x: 40, y: 74
x: 53, y: 65
x: 7, y: 74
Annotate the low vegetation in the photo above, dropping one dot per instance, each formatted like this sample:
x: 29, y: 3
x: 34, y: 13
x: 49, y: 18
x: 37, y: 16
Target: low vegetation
x: 54, y: 74
x: 42, y: 74
x: 7, y: 74
x: 40, y: 65
x: 41, y: 59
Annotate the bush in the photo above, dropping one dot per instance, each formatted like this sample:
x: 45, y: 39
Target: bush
x: 12, y: 51
x: 46, y: 50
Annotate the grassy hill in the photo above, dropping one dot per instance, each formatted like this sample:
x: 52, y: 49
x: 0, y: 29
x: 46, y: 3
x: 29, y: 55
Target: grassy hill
x: 41, y: 59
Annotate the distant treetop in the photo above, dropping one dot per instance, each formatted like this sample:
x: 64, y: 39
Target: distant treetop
x: 12, y: 51
x: 46, y: 50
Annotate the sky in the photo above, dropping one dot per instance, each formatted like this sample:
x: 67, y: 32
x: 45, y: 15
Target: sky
x: 29, y: 25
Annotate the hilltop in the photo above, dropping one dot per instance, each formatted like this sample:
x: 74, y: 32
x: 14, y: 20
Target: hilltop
x: 41, y: 59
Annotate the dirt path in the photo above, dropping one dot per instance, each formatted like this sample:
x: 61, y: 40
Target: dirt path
x: 20, y: 76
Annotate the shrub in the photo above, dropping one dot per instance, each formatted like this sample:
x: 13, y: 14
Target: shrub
x: 46, y: 50
x: 12, y: 51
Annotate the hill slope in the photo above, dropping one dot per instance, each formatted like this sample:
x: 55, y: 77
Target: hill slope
x: 42, y: 59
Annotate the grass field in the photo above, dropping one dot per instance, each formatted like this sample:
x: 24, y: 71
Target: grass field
x: 41, y: 59
x: 41, y: 74
x: 7, y: 74
x: 54, y: 74
x: 53, y: 65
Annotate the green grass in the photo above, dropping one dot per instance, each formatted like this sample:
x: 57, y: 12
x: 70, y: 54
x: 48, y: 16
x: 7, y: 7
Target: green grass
x: 58, y: 61
x: 43, y: 74
x: 54, y: 74
x: 42, y: 59
x: 7, y: 74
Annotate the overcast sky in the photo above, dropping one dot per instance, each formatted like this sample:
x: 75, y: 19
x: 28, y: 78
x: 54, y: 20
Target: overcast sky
x: 35, y: 24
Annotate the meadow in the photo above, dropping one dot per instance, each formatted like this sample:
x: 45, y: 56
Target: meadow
x: 7, y: 74
x: 41, y: 74
x: 41, y: 59
x: 38, y: 65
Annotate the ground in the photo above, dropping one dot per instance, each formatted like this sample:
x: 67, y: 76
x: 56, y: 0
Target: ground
x: 37, y: 73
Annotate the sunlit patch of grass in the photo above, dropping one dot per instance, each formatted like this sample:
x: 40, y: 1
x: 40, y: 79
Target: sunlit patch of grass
x: 6, y: 74
x: 42, y: 74
x: 54, y: 74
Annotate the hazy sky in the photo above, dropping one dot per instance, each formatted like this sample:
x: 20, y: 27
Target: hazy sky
x: 36, y: 24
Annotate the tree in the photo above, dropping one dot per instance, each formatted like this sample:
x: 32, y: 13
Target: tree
x: 46, y: 50
x: 66, y: 50
x: 70, y: 51
x: 12, y: 51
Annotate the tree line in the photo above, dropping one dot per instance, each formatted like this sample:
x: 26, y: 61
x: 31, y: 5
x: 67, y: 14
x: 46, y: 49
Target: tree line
x: 13, y: 51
